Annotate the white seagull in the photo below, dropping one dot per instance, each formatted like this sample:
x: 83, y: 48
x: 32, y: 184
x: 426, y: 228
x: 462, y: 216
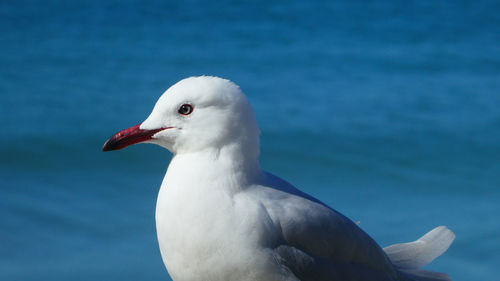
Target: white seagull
x: 219, y: 217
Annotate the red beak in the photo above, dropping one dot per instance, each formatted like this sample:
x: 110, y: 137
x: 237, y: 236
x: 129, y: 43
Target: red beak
x: 128, y: 137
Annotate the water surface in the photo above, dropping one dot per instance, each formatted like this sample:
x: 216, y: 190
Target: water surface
x: 387, y: 111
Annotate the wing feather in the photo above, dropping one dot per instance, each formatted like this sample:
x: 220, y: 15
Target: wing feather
x: 317, y: 240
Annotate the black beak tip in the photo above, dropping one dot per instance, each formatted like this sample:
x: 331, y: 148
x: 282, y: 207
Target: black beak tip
x: 108, y: 146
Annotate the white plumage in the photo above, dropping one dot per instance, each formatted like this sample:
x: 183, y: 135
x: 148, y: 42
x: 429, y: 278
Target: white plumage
x: 220, y: 217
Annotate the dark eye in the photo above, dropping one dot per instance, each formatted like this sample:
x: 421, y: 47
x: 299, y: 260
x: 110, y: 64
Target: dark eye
x: 185, y: 109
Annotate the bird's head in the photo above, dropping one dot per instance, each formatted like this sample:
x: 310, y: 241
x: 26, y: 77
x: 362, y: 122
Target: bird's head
x: 195, y: 114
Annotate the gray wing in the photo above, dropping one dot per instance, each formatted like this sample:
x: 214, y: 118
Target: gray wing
x: 318, y: 243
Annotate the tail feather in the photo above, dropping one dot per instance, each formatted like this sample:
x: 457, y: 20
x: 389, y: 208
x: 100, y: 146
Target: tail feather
x: 418, y: 253
x: 408, y: 258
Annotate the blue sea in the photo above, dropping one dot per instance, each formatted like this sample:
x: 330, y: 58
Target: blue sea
x: 388, y: 111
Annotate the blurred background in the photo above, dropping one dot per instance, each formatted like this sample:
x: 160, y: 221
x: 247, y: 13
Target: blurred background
x: 388, y: 111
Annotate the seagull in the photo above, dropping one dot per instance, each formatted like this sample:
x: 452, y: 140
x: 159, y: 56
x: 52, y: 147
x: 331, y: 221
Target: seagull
x: 220, y: 217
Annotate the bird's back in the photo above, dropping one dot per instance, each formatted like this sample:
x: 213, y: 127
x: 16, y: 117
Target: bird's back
x: 317, y: 242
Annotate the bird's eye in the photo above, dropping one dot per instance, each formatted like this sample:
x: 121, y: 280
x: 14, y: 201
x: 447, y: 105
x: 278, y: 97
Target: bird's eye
x: 185, y: 109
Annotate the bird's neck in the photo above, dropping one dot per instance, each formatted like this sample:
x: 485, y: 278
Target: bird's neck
x: 227, y: 167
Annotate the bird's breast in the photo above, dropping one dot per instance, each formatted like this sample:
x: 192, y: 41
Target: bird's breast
x: 206, y: 231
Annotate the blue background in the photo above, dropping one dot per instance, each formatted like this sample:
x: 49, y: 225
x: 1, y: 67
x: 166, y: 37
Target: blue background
x: 389, y: 111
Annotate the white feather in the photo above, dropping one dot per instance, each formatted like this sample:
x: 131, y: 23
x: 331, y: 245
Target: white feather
x: 419, y: 253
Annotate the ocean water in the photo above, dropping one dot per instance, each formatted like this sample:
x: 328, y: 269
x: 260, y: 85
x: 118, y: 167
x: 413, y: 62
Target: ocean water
x: 387, y: 111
